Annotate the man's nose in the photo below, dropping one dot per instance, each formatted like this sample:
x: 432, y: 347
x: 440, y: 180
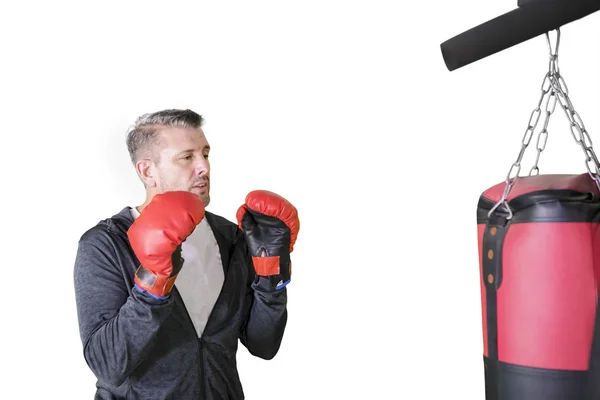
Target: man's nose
x: 202, y: 166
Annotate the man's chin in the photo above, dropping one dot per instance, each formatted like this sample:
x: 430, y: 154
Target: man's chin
x: 204, y: 196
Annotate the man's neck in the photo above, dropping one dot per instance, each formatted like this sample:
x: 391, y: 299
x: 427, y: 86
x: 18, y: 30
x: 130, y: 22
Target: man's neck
x: 149, y: 196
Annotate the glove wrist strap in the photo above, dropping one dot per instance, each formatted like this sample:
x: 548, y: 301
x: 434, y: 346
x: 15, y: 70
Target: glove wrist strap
x: 158, y: 285
x: 266, y: 266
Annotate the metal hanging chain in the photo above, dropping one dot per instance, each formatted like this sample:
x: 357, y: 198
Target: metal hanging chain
x: 554, y: 89
x: 578, y: 131
x: 513, y: 173
x: 550, y: 94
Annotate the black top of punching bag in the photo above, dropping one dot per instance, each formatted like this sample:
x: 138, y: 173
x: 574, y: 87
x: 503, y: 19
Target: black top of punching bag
x: 530, y: 19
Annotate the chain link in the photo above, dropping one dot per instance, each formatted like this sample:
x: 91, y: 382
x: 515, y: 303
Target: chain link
x: 554, y: 90
x: 542, y: 139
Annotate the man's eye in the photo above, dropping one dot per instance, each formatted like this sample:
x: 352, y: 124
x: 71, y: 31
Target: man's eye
x: 206, y: 156
x: 187, y: 158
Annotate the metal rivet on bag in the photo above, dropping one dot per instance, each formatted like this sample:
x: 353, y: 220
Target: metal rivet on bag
x: 493, y: 230
x: 490, y: 279
x: 490, y: 254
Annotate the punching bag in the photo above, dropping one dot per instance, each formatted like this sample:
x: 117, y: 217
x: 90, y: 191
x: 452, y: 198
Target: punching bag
x: 539, y: 268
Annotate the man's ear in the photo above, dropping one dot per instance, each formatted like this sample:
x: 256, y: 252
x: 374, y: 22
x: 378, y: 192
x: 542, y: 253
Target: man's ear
x: 145, y: 169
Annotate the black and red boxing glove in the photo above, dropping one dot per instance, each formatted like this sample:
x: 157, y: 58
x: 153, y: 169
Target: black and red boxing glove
x: 271, y: 226
x: 156, y: 237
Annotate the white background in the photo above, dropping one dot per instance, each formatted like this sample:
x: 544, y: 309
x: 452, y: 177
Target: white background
x: 344, y: 107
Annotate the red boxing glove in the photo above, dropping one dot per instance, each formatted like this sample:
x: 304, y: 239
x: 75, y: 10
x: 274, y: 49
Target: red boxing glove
x: 156, y: 237
x: 271, y: 225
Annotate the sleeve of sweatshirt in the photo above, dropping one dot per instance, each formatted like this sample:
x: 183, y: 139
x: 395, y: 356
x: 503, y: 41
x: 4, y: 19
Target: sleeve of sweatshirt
x: 117, y: 324
x: 266, y: 319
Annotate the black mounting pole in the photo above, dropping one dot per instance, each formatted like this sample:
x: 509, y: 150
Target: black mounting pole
x: 532, y: 18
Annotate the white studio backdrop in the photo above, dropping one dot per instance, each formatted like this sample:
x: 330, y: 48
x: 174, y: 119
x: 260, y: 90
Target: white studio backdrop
x: 344, y: 107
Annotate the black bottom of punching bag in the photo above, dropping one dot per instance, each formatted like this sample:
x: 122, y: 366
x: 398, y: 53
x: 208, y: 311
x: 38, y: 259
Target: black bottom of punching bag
x: 514, y: 382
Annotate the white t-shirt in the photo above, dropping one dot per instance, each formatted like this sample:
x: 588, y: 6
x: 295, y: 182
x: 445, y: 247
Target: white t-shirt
x: 201, y: 278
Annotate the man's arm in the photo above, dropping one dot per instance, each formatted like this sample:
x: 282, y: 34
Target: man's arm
x: 265, y: 325
x: 117, y: 324
x: 270, y: 226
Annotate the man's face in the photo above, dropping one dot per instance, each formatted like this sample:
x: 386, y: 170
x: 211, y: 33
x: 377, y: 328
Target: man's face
x: 182, y: 163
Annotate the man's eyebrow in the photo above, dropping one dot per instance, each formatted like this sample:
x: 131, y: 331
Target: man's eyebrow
x: 207, y: 147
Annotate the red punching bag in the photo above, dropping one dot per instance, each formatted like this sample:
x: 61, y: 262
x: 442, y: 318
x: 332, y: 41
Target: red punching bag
x: 539, y: 265
x: 539, y: 260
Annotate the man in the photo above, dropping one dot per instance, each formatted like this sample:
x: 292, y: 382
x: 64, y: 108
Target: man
x: 165, y: 290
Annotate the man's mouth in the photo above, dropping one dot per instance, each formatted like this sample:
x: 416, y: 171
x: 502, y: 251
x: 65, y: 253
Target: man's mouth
x: 201, y: 185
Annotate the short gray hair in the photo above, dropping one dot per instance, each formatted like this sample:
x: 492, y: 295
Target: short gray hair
x: 143, y: 134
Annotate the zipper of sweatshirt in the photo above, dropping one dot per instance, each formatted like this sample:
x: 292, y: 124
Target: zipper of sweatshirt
x: 201, y: 368
x: 198, y: 341
x: 201, y: 338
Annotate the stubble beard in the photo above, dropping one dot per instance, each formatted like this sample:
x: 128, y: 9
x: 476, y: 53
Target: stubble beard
x: 177, y: 186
